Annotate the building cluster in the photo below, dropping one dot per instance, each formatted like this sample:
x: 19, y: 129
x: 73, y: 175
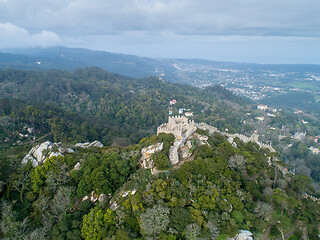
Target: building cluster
x: 314, y: 139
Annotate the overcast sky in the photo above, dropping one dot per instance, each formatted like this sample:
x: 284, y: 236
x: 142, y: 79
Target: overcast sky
x: 263, y: 31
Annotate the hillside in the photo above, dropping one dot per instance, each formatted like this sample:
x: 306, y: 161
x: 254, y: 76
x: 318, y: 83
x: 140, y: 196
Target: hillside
x: 125, y: 106
x: 210, y: 180
x: 93, y: 104
x: 105, y: 193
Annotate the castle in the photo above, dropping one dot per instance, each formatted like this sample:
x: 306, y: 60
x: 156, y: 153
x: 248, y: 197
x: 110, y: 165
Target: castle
x: 184, y: 129
x: 176, y: 125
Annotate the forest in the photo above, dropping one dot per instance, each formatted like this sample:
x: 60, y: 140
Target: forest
x: 224, y: 189
x: 115, y: 109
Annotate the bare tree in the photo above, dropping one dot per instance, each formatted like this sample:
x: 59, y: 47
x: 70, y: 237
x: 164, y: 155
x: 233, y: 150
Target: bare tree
x: 237, y: 161
x: 61, y: 201
x: 192, y: 231
x: 17, y: 230
x: 263, y: 210
x: 268, y: 191
x: 213, y: 230
x: 155, y: 219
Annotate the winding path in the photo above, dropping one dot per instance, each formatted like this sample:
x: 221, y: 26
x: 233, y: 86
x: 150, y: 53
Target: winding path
x: 178, y: 165
x: 33, y: 141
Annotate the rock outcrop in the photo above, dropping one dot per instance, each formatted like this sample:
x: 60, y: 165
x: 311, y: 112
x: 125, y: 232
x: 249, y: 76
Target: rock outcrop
x: 77, y: 166
x: 38, y: 154
x: 146, y: 161
x: 88, y: 144
x: 93, y: 197
x: 30, y: 158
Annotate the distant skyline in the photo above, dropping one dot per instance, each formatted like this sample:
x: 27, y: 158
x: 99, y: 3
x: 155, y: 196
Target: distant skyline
x: 263, y: 31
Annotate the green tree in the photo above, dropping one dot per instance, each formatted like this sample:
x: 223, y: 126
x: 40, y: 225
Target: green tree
x: 301, y: 184
x: 161, y: 160
x: 179, y: 218
x: 98, y: 225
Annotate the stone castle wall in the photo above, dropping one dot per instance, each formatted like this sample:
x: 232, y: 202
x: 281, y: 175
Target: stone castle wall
x: 245, y: 139
x: 183, y: 129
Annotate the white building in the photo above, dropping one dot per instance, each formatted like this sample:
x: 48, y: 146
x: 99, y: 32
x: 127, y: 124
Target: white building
x: 262, y: 107
x: 173, y: 101
x: 299, y: 136
x: 188, y: 114
x: 314, y: 150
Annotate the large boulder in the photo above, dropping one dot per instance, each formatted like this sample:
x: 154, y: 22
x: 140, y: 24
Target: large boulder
x: 77, y: 166
x: 243, y: 235
x: 28, y: 158
x: 40, y: 151
x: 55, y: 154
x: 96, y: 144
x: 173, y: 155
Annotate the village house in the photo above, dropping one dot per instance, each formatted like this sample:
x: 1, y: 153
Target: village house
x: 314, y: 150
x: 262, y: 107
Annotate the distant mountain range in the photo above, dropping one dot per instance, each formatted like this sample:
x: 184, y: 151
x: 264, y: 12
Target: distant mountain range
x: 266, y: 83
x: 63, y: 58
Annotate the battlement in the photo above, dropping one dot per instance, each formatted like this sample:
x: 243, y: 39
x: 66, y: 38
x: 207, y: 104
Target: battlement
x: 176, y: 125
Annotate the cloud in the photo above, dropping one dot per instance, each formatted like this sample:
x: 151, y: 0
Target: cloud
x: 188, y: 17
x: 13, y: 36
x: 220, y: 29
